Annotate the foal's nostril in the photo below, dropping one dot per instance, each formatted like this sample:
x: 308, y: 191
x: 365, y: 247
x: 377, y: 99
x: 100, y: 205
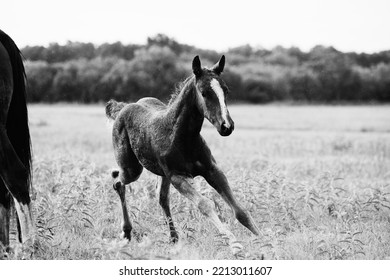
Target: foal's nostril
x: 225, y: 129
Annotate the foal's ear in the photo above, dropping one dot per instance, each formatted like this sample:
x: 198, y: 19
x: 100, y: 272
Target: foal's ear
x: 218, y: 67
x: 196, y: 67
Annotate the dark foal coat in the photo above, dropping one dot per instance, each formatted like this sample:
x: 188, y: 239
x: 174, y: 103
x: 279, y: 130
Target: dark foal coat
x: 166, y: 140
x: 15, y: 151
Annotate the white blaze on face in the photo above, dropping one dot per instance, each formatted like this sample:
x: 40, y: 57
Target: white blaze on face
x: 221, y: 97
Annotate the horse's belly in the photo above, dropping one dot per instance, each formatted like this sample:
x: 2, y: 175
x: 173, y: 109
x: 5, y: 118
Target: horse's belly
x: 152, y: 166
x: 146, y: 156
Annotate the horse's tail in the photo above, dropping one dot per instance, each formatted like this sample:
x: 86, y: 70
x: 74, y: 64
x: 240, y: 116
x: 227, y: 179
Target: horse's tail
x: 17, y: 119
x: 113, y: 108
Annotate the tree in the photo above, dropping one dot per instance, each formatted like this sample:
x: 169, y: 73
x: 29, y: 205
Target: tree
x: 87, y: 73
x: 40, y: 75
x: 162, y: 40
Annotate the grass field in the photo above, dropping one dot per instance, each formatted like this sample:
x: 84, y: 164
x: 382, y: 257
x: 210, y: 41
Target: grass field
x: 315, y: 178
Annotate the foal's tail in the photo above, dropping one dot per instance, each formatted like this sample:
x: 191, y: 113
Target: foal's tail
x: 113, y: 108
x: 17, y: 120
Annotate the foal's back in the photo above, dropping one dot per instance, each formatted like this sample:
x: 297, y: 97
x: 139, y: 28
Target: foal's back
x: 152, y: 104
x: 146, y: 116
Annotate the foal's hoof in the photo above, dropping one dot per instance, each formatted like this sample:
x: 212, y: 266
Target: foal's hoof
x: 126, y: 234
x: 236, y: 248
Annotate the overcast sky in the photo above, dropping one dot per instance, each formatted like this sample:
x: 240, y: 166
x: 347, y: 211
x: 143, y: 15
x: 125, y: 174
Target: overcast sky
x: 354, y: 25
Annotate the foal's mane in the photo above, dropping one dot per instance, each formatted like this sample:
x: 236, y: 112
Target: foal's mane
x: 178, y: 89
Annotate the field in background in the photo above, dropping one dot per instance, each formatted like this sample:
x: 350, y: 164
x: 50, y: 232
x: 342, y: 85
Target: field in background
x: 315, y: 178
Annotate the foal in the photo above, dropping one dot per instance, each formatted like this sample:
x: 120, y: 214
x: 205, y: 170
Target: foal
x: 166, y: 140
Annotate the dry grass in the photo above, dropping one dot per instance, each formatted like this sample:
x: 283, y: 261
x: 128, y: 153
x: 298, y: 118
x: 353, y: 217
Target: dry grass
x: 315, y: 178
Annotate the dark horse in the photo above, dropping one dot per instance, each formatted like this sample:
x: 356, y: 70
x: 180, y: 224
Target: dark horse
x: 15, y: 146
x: 166, y: 140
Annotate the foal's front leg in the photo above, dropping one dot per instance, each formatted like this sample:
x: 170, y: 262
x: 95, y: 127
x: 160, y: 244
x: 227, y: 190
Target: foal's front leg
x: 217, y: 179
x: 164, y: 202
x: 186, y: 186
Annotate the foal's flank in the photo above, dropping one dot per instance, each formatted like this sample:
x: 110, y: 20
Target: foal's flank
x: 166, y: 140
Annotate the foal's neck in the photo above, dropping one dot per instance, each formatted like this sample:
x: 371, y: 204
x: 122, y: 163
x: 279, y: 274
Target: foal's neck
x: 185, y: 113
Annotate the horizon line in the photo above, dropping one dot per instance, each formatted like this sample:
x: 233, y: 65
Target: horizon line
x: 254, y: 47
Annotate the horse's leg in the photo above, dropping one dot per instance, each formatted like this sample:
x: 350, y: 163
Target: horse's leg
x: 186, y: 186
x: 18, y: 228
x: 14, y: 175
x: 217, y: 179
x: 164, y: 202
x: 120, y: 189
x: 129, y: 171
x: 12, y: 171
x: 4, y: 214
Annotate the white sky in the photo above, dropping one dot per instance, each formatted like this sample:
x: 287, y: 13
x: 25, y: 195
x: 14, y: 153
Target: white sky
x: 348, y: 25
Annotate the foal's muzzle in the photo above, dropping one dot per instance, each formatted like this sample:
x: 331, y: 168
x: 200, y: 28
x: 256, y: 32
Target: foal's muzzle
x: 226, y: 129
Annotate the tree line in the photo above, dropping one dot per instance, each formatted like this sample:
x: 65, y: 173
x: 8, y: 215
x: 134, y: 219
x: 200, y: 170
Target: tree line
x: 83, y: 72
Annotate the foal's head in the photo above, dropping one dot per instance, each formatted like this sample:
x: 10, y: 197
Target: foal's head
x: 212, y: 91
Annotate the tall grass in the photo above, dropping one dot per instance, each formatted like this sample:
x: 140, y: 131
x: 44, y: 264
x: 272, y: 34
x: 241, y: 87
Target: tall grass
x: 315, y: 179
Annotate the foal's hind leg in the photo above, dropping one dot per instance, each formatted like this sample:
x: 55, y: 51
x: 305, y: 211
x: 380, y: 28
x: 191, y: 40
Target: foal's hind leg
x: 217, y: 179
x: 164, y: 202
x: 126, y: 176
x: 129, y: 171
x: 120, y: 189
